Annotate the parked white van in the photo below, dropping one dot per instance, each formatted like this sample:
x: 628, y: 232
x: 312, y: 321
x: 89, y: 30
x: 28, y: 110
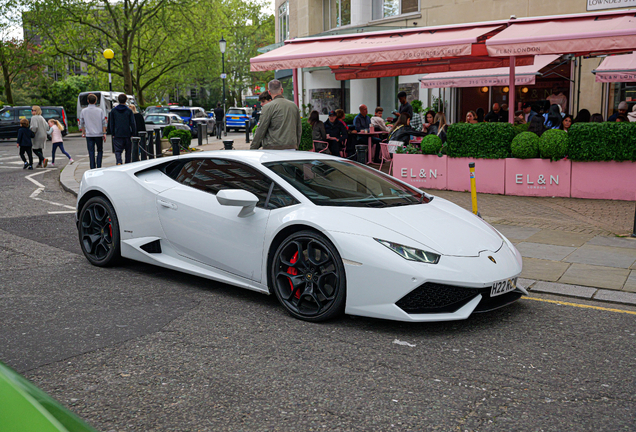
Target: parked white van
x: 105, y: 101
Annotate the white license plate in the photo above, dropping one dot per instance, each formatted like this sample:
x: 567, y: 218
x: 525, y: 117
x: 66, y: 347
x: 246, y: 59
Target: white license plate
x: 503, y: 287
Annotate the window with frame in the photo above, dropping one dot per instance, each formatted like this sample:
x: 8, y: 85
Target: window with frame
x: 283, y: 22
x: 213, y: 175
x: 336, y: 13
x: 389, y: 8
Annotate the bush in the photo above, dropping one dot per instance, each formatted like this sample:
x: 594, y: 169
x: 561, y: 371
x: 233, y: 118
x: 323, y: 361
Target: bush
x: 431, y: 144
x: 602, y: 142
x: 553, y: 144
x: 521, y: 128
x: 186, y: 137
x: 167, y: 130
x: 525, y: 146
x: 417, y: 106
x: 482, y: 140
x: 306, y: 141
x: 409, y: 149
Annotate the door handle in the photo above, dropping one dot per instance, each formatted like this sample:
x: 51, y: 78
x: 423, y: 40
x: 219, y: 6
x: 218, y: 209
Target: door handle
x: 167, y: 204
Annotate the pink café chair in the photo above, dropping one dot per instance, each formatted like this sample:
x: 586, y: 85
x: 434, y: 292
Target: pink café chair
x: 386, y: 155
x: 326, y: 146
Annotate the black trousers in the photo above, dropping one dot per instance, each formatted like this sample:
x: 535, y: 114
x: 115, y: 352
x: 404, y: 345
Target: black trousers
x: 29, y: 153
x: 40, y: 155
x: 122, y: 145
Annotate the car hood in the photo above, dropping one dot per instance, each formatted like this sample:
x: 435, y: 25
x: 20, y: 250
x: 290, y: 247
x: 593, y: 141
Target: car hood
x: 440, y: 225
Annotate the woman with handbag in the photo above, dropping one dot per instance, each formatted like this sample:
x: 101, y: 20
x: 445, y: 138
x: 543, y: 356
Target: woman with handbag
x: 402, y: 132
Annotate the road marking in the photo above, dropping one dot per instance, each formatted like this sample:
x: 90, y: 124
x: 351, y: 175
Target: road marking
x: 9, y: 157
x: 581, y: 305
x: 40, y: 188
x: 11, y: 167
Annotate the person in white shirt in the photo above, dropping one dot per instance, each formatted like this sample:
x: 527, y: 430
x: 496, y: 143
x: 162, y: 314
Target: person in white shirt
x: 93, y: 127
x: 377, y: 121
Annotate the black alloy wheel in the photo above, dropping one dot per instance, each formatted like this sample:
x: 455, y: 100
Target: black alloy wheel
x: 98, y: 231
x: 308, y: 277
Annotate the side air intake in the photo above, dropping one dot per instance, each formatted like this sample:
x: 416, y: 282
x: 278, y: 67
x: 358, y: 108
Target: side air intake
x: 152, y: 247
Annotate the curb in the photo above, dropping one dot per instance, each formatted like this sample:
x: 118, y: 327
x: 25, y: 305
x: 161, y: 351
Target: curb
x: 67, y: 178
x: 580, y: 292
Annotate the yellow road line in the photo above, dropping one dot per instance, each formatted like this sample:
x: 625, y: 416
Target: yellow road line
x: 580, y: 305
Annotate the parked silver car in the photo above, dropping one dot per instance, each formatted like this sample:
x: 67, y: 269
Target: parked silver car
x: 157, y: 121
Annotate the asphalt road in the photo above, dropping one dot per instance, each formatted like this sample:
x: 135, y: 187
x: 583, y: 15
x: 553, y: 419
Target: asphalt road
x: 138, y: 348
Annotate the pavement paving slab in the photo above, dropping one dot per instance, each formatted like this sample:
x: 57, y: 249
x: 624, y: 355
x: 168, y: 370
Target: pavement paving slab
x: 595, y: 276
x: 525, y: 283
x: 560, y: 238
x: 544, y: 251
x: 514, y: 233
x: 616, y: 296
x: 546, y: 270
x: 603, y: 256
x: 564, y: 289
x: 629, y: 242
x: 630, y: 283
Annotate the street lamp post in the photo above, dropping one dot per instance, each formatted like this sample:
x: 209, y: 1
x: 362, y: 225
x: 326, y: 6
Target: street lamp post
x: 108, y: 55
x: 222, y: 46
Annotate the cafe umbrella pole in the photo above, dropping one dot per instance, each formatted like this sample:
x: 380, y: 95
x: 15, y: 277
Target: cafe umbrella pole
x: 473, y: 188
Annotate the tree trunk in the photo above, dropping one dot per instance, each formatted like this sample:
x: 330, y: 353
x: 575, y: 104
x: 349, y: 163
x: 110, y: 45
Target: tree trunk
x: 7, y: 84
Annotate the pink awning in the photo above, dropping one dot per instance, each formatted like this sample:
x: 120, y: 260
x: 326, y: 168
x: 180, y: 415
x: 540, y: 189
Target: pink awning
x: 524, y: 75
x: 597, y: 33
x: 393, y: 46
x: 618, y: 68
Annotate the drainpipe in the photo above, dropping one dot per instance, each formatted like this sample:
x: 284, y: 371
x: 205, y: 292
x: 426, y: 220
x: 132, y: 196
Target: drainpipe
x: 295, y: 81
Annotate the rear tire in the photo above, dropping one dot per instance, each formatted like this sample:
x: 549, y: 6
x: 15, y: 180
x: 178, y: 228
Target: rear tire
x: 98, y: 231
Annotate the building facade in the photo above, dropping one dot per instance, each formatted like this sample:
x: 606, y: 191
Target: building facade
x: 570, y: 76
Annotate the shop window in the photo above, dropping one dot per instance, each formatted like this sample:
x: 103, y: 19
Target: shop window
x: 336, y: 13
x: 283, y: 22
x: 622, y: 92
x: 390, y: 8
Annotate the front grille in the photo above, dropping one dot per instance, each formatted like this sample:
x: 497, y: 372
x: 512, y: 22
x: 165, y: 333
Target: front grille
x: 436, y: 298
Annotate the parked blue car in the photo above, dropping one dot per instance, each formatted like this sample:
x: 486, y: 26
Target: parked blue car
x: 235, y: 118
x: 193, y: 115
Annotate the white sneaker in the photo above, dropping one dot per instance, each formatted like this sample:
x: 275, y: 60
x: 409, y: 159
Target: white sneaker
x: 70, y: 161
x: 52, y: 164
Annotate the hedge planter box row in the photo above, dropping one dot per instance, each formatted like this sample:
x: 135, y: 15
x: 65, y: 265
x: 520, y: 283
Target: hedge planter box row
x: 521, y: 177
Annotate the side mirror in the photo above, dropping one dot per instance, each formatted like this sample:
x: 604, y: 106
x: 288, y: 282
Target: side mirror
x: 238, y: 198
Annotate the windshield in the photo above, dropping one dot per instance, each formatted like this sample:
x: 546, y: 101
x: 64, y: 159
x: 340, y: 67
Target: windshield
x: 157, y: 119
x: 157, y: 109
x: 182, y: 112
x: 236, y: 111
x: 347, y: 184
x: 83, y: 99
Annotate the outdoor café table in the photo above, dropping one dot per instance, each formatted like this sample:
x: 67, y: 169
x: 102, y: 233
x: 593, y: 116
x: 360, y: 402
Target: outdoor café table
x: 371, y: 135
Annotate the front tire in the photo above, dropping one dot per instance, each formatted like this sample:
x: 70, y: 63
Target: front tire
x: 308, y: 277
x: 98, y: 231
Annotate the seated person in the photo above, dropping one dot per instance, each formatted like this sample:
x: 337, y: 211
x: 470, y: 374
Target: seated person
x: 336, y: 133
x: 362, y: 122
x: 377, y: 121
x: 402, y: 130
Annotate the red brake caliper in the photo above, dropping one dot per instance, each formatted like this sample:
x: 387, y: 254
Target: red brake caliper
x: 293, y: 271
x: 110, y: 228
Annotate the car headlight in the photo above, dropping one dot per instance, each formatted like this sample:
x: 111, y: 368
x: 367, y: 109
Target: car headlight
x: 410, y: 253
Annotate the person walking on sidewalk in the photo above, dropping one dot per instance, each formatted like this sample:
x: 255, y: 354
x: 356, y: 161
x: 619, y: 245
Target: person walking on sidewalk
x: 55, y: 130
x: 121, y: 125
x: 93, y: 127
x: 24, y: 143
x: 280, y: 127
x: 39, y: 127
x: 219, y: 116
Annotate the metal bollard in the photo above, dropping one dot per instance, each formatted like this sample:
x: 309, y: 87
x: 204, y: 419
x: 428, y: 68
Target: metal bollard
x: 176, y: 145
x: 473, y: 188
x: 150, y: 145
x: 159, y: 135
x: 135, y: 149
x: 228, y: 144
x: 200, y: 132
x: 142, y: 145
x: 247, y: 131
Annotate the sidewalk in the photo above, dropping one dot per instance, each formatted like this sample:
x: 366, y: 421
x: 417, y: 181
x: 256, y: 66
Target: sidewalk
x: 571, y: 247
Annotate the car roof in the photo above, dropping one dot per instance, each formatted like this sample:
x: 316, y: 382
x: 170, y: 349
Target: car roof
x: 259, y: 157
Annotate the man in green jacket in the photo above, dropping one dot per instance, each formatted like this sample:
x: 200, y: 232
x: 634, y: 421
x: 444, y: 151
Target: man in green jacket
x: 279, y: 127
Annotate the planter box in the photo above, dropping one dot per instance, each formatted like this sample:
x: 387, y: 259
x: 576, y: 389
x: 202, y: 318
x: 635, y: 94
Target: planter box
x: 604, y: 180
x: 421, y: 171
x: 538, y: 177
x: 489, y: 175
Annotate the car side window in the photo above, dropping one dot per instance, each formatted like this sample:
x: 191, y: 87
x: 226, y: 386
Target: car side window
x: 6, y: 115
x: 182, y: 170
x: 24, y: 113
x: 50, y: 113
